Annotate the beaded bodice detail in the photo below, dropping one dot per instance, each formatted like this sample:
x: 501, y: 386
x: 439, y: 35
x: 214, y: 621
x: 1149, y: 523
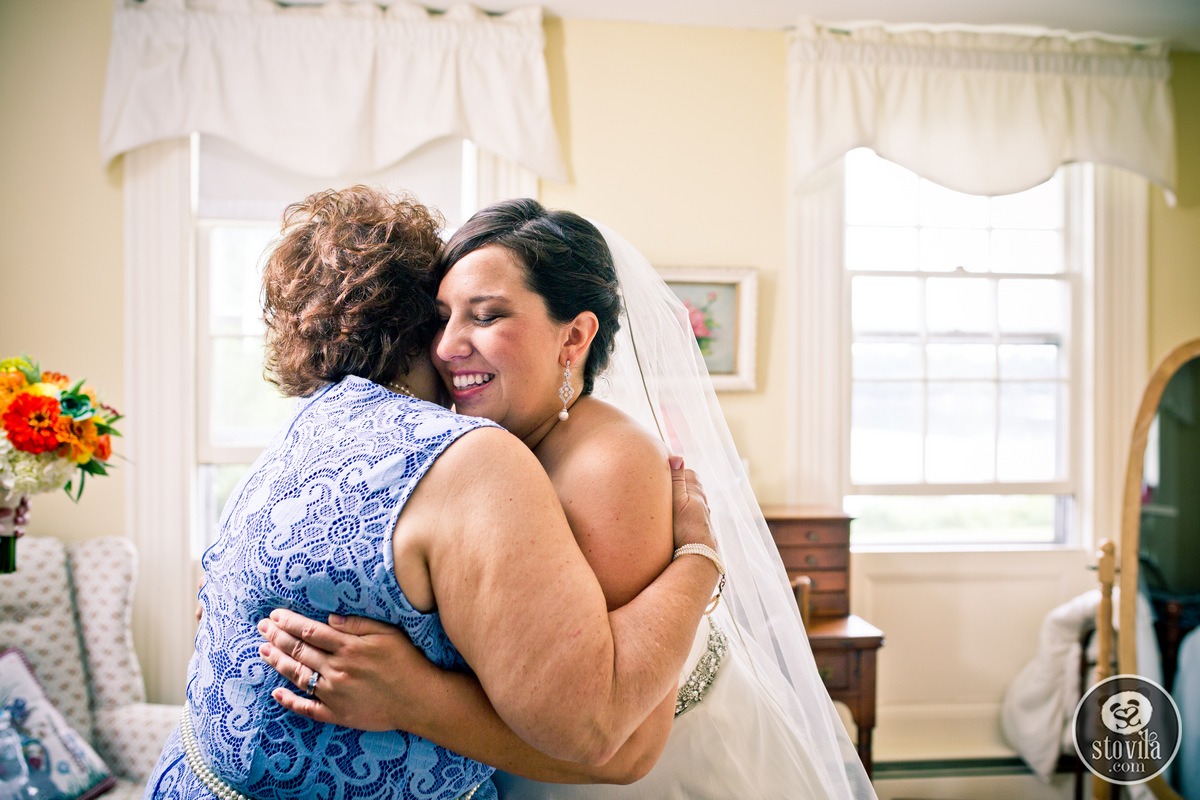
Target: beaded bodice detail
x: 310, y: 529
x: 705, y: 672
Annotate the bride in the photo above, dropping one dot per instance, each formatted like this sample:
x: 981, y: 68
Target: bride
x: 751, y: 717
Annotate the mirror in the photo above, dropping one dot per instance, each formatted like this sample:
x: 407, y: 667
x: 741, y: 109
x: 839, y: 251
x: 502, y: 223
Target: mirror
x: 1160, y: 515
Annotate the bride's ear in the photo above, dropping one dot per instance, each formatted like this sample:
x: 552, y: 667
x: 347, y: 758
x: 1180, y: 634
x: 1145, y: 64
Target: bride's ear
x: 577, y: 338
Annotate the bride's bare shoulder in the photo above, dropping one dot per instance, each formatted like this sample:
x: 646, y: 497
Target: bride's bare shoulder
x: 605, y: 427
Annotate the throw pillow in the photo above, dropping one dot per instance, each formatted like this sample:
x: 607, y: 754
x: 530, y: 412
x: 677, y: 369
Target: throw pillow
x: 40, y: 754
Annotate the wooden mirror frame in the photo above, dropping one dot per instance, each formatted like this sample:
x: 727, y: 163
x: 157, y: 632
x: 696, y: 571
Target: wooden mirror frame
x: 1131, y: 522
x: 1131, y: 502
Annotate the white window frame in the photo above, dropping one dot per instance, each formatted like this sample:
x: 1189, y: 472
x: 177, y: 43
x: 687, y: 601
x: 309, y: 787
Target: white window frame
x: 1111, y: 344
x: 161, y: 426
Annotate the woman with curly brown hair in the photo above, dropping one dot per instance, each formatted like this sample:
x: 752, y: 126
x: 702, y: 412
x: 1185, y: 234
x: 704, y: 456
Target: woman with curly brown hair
x: 540, y: 307
x: 372, y: 501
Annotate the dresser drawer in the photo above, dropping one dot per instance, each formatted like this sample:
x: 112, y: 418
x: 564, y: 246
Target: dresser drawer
x: 799, y: 558
x: 834, y: 668
x: 809, y: 533
x: 828, y: 604
x: 822, y: 580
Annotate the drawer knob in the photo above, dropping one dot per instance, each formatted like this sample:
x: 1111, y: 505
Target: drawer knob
x: 810, y: 560
x: 811, y: 535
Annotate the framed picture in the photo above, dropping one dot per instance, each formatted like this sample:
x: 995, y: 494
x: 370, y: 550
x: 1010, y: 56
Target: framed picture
x: 723, y: 305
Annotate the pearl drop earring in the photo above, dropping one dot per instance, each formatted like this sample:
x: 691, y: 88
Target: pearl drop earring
x: 566, y: 392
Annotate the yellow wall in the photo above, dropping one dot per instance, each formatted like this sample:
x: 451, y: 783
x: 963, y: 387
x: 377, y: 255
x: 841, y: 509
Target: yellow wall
x: 1175, y: 232
x: 676, y: 138
x: 61, y: 287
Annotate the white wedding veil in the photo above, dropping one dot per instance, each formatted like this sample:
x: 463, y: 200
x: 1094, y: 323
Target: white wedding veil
x: 658, y: 376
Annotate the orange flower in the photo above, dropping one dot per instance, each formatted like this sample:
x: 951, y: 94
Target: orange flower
x: 79, y: 438
x: 10, y: 384
x: 56, y: 378
x: 103, y: 448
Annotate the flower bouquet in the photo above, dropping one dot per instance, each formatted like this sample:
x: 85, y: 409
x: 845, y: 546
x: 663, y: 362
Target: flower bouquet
x: 54, y: 434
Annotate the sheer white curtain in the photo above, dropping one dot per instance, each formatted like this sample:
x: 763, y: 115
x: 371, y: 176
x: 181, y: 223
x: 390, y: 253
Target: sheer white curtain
x: 982, y: 111
x: 330, y: 89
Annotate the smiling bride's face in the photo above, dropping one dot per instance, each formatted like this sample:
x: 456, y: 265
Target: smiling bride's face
x: 497, y: 349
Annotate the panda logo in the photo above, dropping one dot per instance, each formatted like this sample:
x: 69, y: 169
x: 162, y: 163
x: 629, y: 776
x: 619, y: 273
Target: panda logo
x: 1126, y: 713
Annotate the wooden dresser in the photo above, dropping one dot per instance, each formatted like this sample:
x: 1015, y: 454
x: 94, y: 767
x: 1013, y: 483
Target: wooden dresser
x: 815, y: 542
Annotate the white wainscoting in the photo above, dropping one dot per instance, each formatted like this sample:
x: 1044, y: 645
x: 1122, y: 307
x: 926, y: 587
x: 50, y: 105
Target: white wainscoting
x: 958, y: 628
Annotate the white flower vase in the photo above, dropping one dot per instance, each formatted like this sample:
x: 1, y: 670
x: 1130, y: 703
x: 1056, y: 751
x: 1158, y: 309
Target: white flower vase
x: 14, y: 513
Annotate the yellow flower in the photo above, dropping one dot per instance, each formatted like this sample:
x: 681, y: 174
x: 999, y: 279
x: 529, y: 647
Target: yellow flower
x: 14, y: 364
x: 45, y: 390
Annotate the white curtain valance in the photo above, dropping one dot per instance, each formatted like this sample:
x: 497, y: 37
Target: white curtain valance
x: 982, y: 111
x: 335, y: 89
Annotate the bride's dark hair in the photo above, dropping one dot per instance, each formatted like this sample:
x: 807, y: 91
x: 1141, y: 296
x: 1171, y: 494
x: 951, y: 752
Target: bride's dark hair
x: 566, y: 261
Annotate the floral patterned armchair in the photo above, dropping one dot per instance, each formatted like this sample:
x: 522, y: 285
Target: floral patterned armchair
x: 68, y: 608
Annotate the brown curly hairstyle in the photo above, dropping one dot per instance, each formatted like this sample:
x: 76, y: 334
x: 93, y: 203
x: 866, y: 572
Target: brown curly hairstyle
x: 349, y: 288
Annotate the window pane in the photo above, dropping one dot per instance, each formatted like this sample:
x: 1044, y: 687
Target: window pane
x: 1032, y: 306
x: 885, y: 445
x: 881, y: 248
x: 885, y: 305
x: 235, y: 256
x: 886, y: 360
x: 1031, y: 416
x: 947, y: 249
x: 879, y: 192
x: 1024, y: 361
x: 961, y: 445
x: 217, y: 482
x: 245, y: 410
x: 959, y: 305
x: 983, y: 519
x: 946, y: 208
x: 961, y: 360
x: 1039, y: 207
x: 1027, y: 251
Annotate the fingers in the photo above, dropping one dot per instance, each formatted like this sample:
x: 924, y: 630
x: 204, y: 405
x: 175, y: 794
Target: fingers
x: 359, y: 626
x: 295, y: 648
x: 288, y: 667
x: 309, y: 631
x: 685, y: 484
x: 303, y: 705
x: 695, y: 489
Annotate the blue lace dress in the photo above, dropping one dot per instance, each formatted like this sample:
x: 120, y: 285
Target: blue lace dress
x: 310, y: 529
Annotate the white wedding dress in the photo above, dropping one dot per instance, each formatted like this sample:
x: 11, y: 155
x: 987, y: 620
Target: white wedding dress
x: 736, y: 743
x: 766, y: 727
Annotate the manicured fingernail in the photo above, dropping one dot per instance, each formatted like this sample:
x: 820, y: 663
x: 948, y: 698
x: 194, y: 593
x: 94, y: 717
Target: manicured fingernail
x: 676, y: 462
x: 264, y: 650
x: 276, y: 614
x: 336, y: 619
x: 262, y: 626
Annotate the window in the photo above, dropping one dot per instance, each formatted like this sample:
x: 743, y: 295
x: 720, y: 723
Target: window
x: 964, y: 368
x: 239, y: 202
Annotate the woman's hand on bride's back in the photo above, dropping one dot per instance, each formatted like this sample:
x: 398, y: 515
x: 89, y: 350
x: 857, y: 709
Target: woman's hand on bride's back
x: 692, y: 523
x: 353, y: 656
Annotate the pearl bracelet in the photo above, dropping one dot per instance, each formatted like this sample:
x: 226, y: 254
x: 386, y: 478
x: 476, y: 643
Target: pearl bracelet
x: 706, y: 551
